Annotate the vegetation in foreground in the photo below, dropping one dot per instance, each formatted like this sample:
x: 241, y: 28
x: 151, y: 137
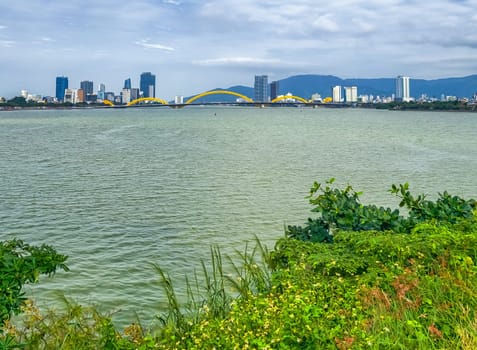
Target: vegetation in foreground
x: 354, y: 277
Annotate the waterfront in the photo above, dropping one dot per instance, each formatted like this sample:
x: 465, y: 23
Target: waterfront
x: 117, y: 190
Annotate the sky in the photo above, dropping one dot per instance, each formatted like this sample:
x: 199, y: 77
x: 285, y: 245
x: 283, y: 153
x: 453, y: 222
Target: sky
x: 197, y: 45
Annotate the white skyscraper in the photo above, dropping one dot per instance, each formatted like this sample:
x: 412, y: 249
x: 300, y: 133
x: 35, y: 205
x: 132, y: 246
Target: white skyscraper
x: 126, y: 96
x: 402, y: 89
x: 336, y: 93
x: 351, y: 94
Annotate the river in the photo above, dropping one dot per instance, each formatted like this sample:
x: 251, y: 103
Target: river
x: 120, y: 189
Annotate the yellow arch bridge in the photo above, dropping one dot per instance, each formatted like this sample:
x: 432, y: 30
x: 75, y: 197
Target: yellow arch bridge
x: 281, y: 99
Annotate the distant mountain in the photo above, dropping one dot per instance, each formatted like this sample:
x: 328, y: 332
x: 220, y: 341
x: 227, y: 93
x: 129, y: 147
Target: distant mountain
x: 306, y: 85
x: 460, y: 87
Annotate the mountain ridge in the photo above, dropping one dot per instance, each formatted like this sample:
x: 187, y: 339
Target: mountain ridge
x: 305, y: 85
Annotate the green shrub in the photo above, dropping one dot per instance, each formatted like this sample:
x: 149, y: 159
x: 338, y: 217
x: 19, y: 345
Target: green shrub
x: 387, y: 281
x: 21, y: 263
x: 342, y: 210
x: 73, y: 327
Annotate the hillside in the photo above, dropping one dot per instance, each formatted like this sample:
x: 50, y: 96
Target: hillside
x: 306, y: 85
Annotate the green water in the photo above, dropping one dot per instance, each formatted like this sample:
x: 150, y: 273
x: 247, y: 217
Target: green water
x: 117, y: 190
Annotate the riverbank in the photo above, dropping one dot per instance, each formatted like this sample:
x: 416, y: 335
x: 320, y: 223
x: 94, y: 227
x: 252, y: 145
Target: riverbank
x: 367, y: 289
x: 453, y: 106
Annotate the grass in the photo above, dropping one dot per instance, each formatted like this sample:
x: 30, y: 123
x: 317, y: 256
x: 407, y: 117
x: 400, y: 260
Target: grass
x: 368, y: 289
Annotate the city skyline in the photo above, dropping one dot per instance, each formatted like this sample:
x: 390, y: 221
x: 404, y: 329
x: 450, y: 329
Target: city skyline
x: 306, y: 87
x: 195, y: 46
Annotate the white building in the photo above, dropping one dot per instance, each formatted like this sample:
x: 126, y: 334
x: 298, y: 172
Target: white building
x: 351, y: 94
x: 151, y: 90
x: 402, y: 89
x: 287, y: 98
x: 316, y: 98
x: 364, y: 98
x: 34, y: 98
x: 126, y: 96
x: 178, y: 100
x: 336, y: 93
x: 71, y: 96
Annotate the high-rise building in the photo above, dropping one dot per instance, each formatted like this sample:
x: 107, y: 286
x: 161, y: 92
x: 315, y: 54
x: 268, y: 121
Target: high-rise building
x: 336, y: 93
x: 101, y: 91
x: 87, y: 87
x: 261, y: 88
x: 274, y: 87
x: 351, y: 94
x: 126, y: 96
x: 127, y: 84
x: 148, y: 84
x: 402, y: 89
x: 61, y: 86
x: 134, y: 93
x: 80, y: 96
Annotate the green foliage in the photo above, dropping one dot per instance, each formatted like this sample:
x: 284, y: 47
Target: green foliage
x: 251, y: 275
x: 446, y: 208
x: 18, y: 101
x: 426, y: 106
x: 387, y: 281
x: 211, y: 294
x: 342, y: 209
x: 367, y: 290
x: 209, y: 301
x: 75, y: 327
x: 316, y: 230
x: 21, y: 263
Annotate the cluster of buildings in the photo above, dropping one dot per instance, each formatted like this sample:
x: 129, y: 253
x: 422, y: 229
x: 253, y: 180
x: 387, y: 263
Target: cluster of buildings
x: 263, y: 92
x: 86, y: 94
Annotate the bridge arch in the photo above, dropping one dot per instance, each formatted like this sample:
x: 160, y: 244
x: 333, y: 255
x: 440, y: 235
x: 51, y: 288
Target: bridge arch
x: 155, y: 99
x: 108, y: 103
x: 218, y: 92
x: 286, y: 97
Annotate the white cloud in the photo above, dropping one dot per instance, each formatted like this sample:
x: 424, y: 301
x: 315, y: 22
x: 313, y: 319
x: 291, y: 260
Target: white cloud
x: 7, y: 43
x: 236, y: 61
x: 363, y: 26
x: 326, y: 23
x: 146, y: 44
